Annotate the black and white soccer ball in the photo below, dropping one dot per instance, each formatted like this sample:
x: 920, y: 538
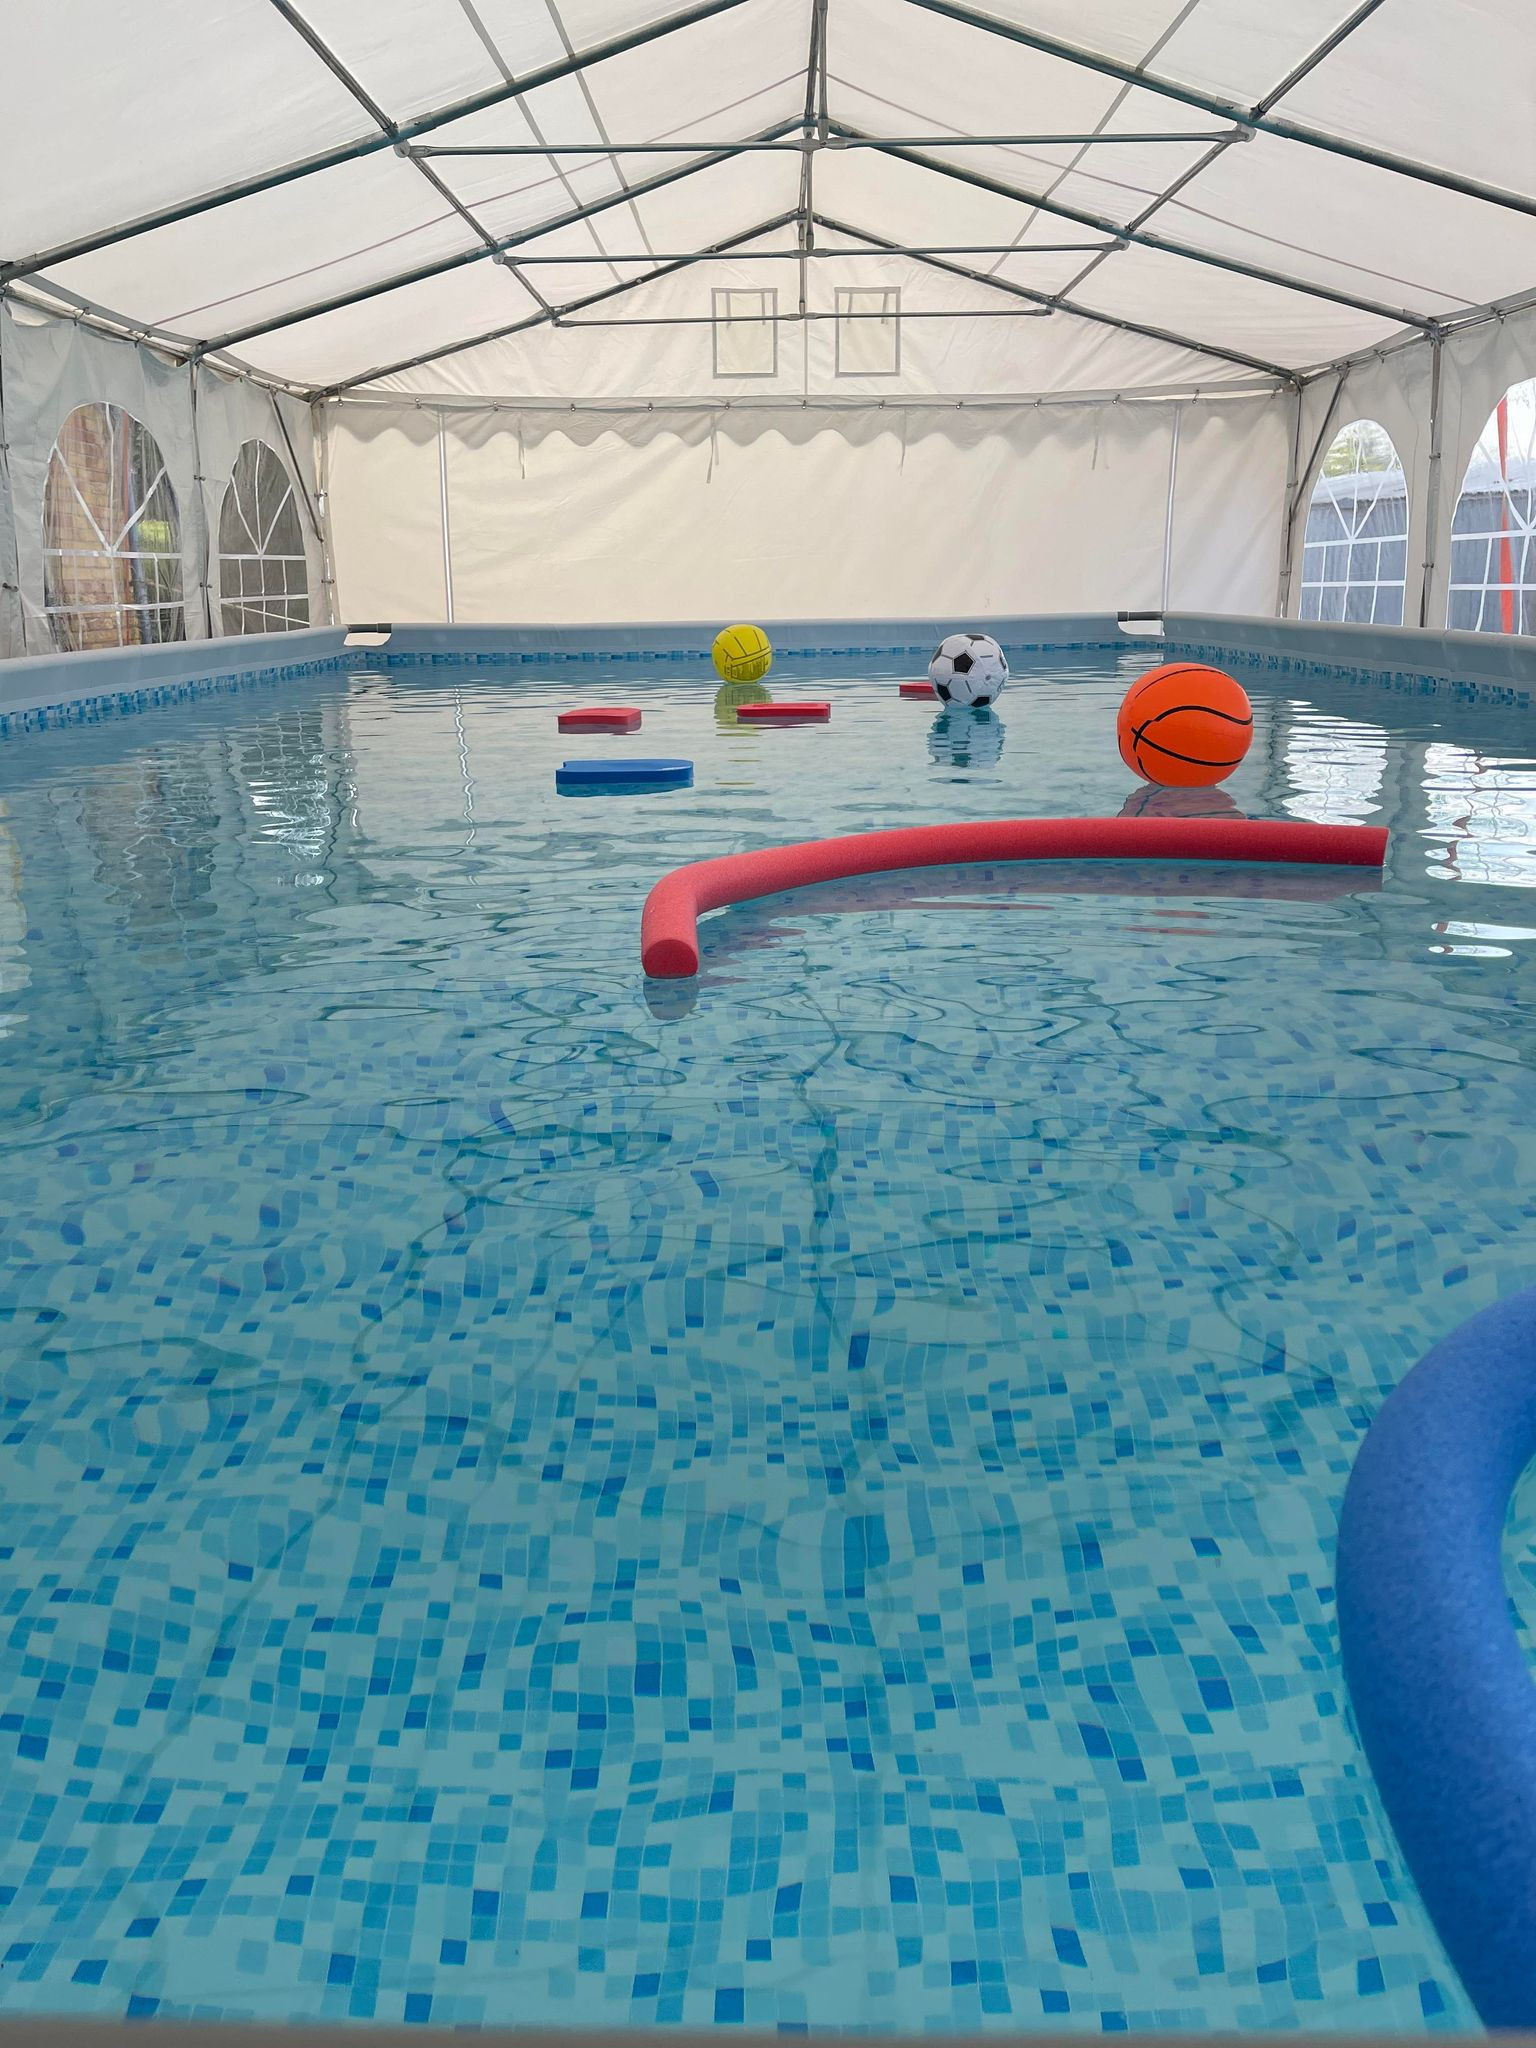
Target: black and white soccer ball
x: 968, y: 668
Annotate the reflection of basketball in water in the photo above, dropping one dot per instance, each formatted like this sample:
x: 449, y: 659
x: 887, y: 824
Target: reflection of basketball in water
x: 1151, y: 801
x: 1185, y: 725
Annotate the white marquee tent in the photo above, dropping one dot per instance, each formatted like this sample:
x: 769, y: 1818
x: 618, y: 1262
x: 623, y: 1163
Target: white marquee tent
x: 577, y: 309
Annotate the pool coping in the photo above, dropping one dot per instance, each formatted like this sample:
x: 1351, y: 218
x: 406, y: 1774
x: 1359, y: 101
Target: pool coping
x: 44, y: 691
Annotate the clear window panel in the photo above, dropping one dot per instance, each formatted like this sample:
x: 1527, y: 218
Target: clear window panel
x: 1359, y: 509
x: 111, y: 536
x: 263, y: 571
x: 1493, y: 566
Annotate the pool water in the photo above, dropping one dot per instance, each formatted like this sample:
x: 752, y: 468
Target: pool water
x: 800, y: 1500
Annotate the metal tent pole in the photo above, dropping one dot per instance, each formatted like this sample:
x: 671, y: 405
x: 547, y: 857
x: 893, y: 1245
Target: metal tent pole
x: 1432, y: 477
x: 368, y: 145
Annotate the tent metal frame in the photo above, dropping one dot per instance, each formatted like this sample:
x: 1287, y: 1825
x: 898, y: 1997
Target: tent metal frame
x: 811, y: 142
x: 497, y: 251
x: 390, y: 131
x: 542, y: 319
x: 808, y: 135
x: 1256, y: 119
x: 1294, y: 77
x: 1116, y: 232
x: 1046, y: 301
x: 369, y: 145
x: 1127, y: 235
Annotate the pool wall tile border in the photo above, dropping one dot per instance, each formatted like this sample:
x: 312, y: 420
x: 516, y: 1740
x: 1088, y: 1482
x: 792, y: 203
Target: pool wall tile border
x: 43, y: 692
x: 23, y: 2031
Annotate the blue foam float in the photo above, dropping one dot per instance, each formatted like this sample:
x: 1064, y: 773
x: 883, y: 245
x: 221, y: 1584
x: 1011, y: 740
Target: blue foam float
x: 1437, y: 1674
x: 593, y: 778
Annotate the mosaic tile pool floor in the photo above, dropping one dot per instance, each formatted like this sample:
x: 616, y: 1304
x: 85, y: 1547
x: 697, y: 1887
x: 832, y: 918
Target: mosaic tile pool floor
x: 810, y: 1506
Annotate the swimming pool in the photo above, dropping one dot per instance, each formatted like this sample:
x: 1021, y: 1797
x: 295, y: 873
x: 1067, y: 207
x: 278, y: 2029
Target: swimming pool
x: 800, y: 1499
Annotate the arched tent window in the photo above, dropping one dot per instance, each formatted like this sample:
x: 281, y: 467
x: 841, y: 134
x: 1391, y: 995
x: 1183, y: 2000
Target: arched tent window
x: 111, y: 537
x: 1493, y: 558
x: 1355, y: 558
x: 263, y: 577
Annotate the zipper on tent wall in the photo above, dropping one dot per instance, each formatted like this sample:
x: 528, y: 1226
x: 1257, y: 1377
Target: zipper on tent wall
x: 1432, y: 480
x: 442, y: 501
x: 1173, y: 485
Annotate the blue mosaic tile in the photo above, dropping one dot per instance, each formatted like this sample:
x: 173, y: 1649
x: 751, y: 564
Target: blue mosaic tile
x: 809, y: 1509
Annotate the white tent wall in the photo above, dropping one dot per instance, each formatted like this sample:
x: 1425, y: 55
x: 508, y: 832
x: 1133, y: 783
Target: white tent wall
x: 699, y: 512
x: 1397, y: 388
x: 48, y: 366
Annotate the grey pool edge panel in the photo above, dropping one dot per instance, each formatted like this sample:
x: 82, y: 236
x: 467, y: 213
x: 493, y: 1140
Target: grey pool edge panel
x: 111, y: 680
x: 91, y: 2033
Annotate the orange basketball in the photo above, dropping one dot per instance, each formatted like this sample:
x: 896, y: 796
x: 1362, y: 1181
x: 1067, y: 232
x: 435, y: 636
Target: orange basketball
x: 1184, y: 725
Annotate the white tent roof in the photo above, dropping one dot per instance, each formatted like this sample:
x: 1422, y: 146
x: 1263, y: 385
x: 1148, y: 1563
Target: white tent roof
x: 1102, y: 194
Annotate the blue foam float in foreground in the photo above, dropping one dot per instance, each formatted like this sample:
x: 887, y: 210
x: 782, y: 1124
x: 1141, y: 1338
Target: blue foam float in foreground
x: 618, y: 778
x: 1442, y: 1693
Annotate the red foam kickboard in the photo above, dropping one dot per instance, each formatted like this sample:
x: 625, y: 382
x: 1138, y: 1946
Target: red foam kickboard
x: 601, y: 718
x: 922, y: 689
x: 770, y: 714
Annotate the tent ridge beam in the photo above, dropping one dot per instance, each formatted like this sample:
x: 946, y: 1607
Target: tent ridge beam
x: 1256, y: 120
x: 495, y: 252
x: 1164, y: 245
x: 368, y: 145
x: 810, y: 142
x: 554, y: 313
x: 1165, y: 335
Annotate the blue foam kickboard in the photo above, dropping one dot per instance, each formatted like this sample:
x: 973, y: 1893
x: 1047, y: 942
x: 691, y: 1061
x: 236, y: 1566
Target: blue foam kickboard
x: 641, y: 772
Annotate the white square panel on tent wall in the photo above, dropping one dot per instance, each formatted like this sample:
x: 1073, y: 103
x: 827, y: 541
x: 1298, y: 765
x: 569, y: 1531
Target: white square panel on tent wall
x: 868, y: 331
x: 746, y: 332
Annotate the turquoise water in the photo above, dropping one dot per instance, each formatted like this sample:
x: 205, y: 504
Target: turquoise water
x: 805, y: 1501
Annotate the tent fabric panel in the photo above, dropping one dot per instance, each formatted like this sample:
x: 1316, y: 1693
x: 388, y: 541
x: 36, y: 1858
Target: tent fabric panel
x: 266, y: 255
x: 790, y: 515
x: 337, y: 345
x: 414, y: 55
x: 101, y: 121
x: 1450, y: 86
x: 1244, y: 313
x: 1229, y: 506
x: 1345, y: 224
x: 933, y: 74
x: 1245, y: 53
x: 386, y: 513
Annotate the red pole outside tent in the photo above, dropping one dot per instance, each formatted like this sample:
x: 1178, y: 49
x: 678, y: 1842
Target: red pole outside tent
x: 1506, y: 561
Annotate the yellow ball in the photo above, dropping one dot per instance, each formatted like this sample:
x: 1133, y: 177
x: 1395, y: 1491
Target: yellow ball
x: 743, y: 654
